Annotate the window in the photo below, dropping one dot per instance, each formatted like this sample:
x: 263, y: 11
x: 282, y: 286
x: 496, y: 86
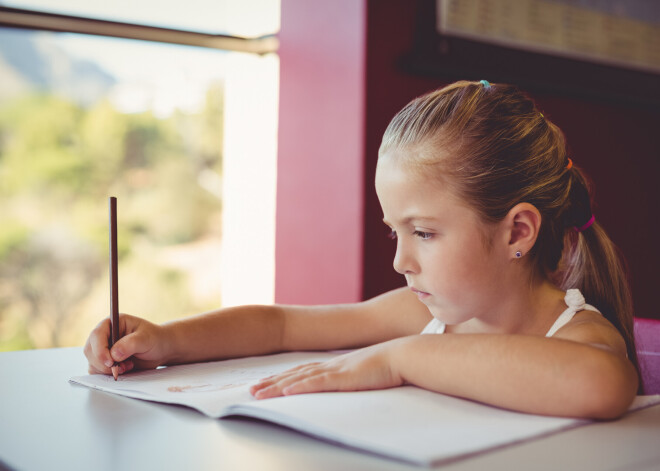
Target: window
x: 184, y: 136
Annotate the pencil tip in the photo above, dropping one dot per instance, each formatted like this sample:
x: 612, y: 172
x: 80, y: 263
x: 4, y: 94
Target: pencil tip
x: 115, y: 372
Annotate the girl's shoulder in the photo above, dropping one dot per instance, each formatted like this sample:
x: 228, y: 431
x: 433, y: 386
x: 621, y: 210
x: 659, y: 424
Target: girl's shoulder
x: 590, y: 327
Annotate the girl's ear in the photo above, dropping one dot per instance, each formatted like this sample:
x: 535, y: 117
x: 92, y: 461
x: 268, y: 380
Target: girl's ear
x: 524, y: 223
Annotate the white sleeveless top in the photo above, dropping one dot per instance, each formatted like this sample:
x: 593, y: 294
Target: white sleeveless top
x: 573, y: 299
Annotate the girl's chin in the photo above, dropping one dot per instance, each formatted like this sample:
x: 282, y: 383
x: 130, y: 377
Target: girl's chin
x: 445, y: 317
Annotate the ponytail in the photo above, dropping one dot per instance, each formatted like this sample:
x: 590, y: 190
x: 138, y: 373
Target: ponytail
x: 589, y: 254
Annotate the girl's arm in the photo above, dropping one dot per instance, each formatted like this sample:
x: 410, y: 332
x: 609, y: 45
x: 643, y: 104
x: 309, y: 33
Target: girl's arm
x: 390, y: 315
x: 255, y: 330
x: 581, y: 372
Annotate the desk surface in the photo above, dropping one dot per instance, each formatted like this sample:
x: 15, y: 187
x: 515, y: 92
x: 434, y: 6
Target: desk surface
x: 47, y: 423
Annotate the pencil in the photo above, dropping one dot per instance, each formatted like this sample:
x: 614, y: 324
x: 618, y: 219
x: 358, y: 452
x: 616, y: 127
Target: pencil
x: 114, y: 290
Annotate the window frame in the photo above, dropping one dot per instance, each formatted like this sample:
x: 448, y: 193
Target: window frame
x: 38, y: 20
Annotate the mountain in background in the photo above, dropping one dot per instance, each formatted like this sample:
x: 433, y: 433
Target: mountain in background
x: 30, y: 61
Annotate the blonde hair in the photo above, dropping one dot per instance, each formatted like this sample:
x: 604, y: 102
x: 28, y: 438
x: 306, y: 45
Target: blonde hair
x: 494, y: 149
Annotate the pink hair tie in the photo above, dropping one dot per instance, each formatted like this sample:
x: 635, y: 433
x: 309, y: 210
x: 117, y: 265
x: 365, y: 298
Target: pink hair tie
x: 587, y: 225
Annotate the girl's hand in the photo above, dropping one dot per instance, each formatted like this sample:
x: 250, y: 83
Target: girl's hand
x: 367, y: 368
x: 141, y: 346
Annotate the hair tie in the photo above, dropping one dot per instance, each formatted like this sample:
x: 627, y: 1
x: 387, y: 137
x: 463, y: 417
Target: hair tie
x: 569, y: 165
x: 485, y: 83
x: 578, y: 204
x: 587, y: 225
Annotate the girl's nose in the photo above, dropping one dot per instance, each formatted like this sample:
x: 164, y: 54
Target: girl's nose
x: 404, y: 261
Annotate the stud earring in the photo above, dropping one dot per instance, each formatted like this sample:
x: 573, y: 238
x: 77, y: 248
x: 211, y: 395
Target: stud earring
x: 518, y: 254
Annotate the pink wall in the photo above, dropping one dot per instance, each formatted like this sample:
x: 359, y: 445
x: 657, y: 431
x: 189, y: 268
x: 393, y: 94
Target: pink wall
x: 319, y: 225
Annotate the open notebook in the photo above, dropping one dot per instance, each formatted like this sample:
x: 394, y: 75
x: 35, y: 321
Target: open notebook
x: 405, y: 423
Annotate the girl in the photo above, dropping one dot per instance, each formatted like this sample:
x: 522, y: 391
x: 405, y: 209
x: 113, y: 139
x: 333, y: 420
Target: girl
x: 498, y: 245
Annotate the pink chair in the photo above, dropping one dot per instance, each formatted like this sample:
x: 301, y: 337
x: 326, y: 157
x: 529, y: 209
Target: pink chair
x: 647, y: 339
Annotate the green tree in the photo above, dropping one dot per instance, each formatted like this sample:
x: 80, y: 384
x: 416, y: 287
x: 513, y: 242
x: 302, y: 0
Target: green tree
x: 58, y: 164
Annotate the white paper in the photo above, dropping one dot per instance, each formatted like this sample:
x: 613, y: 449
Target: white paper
x: 406, y: 423
x: 208, y: 387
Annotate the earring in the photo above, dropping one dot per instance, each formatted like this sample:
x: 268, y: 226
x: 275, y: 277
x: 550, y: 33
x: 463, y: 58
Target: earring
x: 518, y: 254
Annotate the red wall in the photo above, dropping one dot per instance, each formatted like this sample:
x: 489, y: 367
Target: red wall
x: 390, y: 36
x: 334, y: 110
x: 619, y: 148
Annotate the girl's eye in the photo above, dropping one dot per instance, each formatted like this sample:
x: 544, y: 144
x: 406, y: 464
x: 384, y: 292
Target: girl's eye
x: 392, y: 235
x: 423, y: 235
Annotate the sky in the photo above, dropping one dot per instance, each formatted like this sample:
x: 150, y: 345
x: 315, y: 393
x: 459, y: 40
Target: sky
x: 160, y: 77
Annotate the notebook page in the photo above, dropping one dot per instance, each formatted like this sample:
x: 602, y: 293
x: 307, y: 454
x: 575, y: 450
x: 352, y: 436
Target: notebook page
x: 208, y: 387
x: 406, y: 423
x: 409, y: 423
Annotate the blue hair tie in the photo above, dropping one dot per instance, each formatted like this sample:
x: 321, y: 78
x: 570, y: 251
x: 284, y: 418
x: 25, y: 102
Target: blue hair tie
x: 485, y: 83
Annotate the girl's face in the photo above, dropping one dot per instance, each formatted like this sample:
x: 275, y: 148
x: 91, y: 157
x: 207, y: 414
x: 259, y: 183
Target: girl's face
x: 440, y: 245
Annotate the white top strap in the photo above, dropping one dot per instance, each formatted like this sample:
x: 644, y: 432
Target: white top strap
x: 434, y: 327
x: 576, y: 303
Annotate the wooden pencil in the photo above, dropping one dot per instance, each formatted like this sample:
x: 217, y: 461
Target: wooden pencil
x: 114, y: 289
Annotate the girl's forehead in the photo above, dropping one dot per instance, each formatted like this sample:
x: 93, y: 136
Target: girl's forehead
x: 398, y: 186
x: 394, y: 171
x: 406, y: 192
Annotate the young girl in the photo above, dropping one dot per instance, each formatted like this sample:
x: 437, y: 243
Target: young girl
x: 497, y: 242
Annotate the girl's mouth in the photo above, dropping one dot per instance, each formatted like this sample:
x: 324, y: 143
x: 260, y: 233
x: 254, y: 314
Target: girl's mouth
x: 420, y: 294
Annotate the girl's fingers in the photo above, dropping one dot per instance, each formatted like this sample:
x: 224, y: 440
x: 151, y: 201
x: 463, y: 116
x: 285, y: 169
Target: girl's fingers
x: 272, y: 390
x: 303, y: 366
x: 317, y: 383
x: 94, y: 371
x: 126, y: 366
x: 132, y: 344
x: 277, y: 378
x: 267, y: 386
x: 96, y: 349
x: 296, y: 369
x: 307, y: 378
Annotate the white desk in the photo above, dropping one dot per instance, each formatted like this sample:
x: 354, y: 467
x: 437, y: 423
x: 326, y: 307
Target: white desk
x: 48, y: 424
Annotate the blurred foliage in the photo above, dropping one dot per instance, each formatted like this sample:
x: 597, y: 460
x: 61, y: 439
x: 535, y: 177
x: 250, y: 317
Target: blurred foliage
x: 59, y: 162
